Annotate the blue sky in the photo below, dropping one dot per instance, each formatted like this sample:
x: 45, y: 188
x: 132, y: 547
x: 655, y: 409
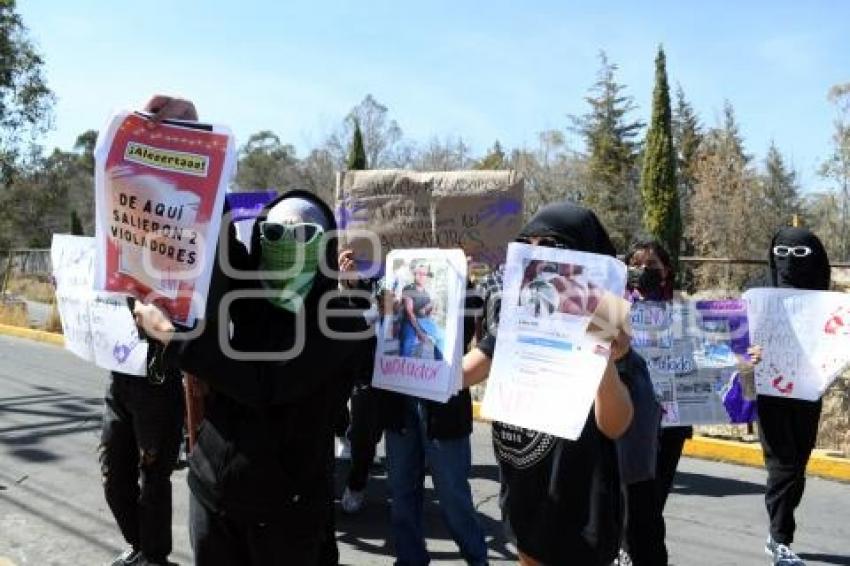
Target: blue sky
x: 484, y: 70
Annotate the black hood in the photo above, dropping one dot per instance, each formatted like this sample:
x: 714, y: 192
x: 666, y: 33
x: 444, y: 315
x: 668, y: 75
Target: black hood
x: 577, y: 227
x: 810, y: 272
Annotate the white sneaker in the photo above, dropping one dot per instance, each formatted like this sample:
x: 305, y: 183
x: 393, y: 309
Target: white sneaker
x: 352, y: 501
x: 343, y: 449
x: 782, y: 554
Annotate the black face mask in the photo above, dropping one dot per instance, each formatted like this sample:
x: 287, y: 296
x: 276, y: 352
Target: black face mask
x: 647, y: 280
x: 798, y: 260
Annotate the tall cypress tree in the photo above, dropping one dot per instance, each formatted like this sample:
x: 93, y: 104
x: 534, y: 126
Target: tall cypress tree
x: 661, y: 215
x: 357, y: 154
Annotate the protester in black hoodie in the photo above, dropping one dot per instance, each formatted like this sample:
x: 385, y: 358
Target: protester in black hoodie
x: 259, y: 472
x: 561, y: 499
x: 788, y: 428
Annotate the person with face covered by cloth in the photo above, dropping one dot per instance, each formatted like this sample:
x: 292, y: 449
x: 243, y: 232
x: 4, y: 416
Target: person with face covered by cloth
x: 561, y: 499
x: 259, y: 472
x: 788, y: 427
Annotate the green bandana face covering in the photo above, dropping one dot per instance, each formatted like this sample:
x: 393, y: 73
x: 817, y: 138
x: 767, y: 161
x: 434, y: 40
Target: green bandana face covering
x: 284, y: 255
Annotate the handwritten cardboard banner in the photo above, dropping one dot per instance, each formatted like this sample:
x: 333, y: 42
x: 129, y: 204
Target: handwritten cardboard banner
x: 477, y: 211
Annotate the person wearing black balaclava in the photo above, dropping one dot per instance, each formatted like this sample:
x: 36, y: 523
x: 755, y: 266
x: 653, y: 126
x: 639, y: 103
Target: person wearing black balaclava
x: 561, y: 499
x: 788, y: 427
x: 259, y: 472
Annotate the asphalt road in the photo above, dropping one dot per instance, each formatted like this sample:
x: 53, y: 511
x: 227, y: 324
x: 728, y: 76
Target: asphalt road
x: 52, y: 509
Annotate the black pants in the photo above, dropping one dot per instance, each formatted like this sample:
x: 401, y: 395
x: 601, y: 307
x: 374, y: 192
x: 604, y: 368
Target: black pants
x: 788, y: 430
x: 645, y: 529
x: 669, y: 453
x: 140, y: 442
x: 219, y: 540
x: 364, y: 434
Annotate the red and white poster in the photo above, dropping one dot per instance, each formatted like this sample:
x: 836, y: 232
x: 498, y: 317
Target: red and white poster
x: 159, y: 196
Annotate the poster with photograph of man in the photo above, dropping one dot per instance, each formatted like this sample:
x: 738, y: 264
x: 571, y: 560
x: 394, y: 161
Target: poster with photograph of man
x: 420, y: 332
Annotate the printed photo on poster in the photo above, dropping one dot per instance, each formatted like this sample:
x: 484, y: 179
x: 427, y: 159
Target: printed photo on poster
x: 557, y: 289
x: 421, y: 309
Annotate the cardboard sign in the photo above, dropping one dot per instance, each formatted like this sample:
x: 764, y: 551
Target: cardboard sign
x: 477, y: 211
x: 159, y: 197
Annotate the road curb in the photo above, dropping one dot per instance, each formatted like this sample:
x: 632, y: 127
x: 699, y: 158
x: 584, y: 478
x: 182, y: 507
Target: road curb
x: 30, y: 334
x: 742, y: 453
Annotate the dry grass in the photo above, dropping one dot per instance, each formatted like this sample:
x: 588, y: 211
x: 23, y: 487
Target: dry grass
x: 54, y: 323
x: 32, y: 288
x: 14, y: 313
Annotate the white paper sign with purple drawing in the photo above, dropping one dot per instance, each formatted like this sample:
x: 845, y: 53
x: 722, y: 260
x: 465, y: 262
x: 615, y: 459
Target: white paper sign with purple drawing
x: 821, y: 323
x: 547, y: 366
x: 97, y: 326
x: 786, y: 369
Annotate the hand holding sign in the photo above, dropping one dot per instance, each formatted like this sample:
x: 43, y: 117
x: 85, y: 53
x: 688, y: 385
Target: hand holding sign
x: 164, y: 107
x: 153, y: 321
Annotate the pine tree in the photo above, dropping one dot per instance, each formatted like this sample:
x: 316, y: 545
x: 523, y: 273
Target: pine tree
x: 779, y: 187
x: 357, y: 154
x: 611, y: 184
x: 661, y: 214
x: 76, y: 224
x: 723, y: 205
x: 495, y: 158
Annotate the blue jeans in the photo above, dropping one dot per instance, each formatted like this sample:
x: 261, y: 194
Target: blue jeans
x: 450, y: 462
x: 410, y: 341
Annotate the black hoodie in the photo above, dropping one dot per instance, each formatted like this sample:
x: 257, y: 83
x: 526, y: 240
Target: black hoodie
x: 561, y: 498
x: 263, y: 447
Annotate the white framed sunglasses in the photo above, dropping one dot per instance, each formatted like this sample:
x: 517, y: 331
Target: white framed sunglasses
x: 796, y: 251
x: 303, y: 233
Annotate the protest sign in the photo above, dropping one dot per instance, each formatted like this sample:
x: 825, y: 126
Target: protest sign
x: 690, y: 348
x: 477, y: 211
x: 821, y: 324
x: 97, y: 326
x: 420, y: 337
x: 72, y: 258
x: 785, y: 369
x: 547, y: 366
x: 159, y: 195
